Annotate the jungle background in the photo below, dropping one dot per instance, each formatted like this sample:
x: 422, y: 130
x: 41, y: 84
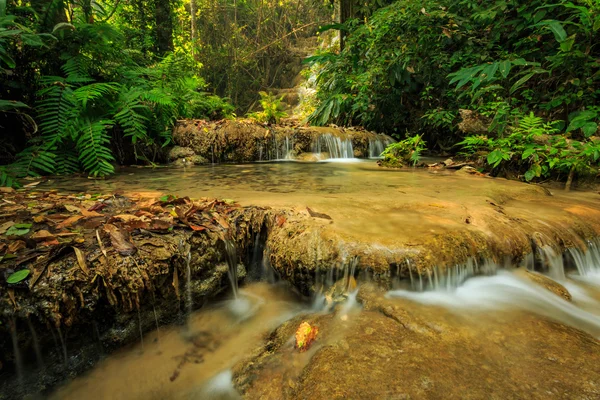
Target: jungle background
x: 87, y: 85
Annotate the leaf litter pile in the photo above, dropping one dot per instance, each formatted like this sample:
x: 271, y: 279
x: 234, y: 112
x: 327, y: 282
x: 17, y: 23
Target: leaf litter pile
x: 62, y: 253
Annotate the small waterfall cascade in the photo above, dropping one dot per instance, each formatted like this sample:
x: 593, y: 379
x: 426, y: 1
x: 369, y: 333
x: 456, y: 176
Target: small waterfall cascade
x: 336, y: 146
x: 588, y: 261
x: 283, y: 148
x: 378, y: 145
x: 232, y: 263
x: 451, y: 278
x: 553, y: 261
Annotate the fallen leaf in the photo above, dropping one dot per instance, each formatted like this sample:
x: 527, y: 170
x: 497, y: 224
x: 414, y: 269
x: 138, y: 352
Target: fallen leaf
x: 81, y: 260
x: 69, y: 221
x: 120, y: 240
x: 38, y: 219
x: 280, y: 220
x: 18, y: 276
x: 15, y: 246
x: 51, y: 242
x: 33, y: 184
x: 221, y: 220
x: 4, y: 227
x: 71, y: 208
x: 198, y: 228
x: 305, y: 335
x: 98, y: 206
x: 42, y: 235
x: 6, y: 190
x: 18, y: 230
x: 90, y: 214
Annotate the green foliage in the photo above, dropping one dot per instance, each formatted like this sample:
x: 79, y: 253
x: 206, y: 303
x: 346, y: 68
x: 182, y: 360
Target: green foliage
x: 535, y: 149
x: 272, y: 109
x: 413, y: 65
x: 405, y: 151
x: 18, y: 276
x: 89, y: 92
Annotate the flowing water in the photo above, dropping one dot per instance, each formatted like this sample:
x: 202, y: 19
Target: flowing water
x: 190, y: 362
x: 462, y: 332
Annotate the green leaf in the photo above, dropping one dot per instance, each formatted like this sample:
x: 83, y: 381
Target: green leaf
x: 521, y: 82
x: 557, y: 29
x: 62, y: 26
x: 596, y: 23
x: 589, y: 128
x: 505, y: 67
x: 495, y: 157
x: 567, y: 45
x: 18, y: 276
x: 528, y: 152
x: 18, y: 230
x: 529, y: 175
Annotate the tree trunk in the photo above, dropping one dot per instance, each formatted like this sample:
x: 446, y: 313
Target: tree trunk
x: 346, y: 13
x: 193, y: 26
x: 164, y: 26
x: 570, y: 179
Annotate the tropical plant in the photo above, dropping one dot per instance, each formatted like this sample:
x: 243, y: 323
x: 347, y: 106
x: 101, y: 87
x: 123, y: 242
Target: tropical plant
x: 272, y: 109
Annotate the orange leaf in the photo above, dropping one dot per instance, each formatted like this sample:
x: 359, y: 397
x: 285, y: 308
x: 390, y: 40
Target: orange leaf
x: 305, y: 335
x: 69, y: 221
x: 280, y: 219
x: 198, y: 228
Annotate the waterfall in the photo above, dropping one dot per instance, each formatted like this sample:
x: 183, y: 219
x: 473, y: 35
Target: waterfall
x: 336, y: 146
x: 283, y: 150
x: 451, y: 278
x: 231, y: 255
x: 588, y: 261
x: 378, y: 145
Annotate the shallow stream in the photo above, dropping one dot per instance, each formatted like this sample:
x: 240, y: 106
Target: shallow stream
x: 497, y: 335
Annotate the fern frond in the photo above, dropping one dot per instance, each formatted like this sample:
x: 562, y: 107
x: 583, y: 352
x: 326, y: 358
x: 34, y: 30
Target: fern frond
x: 34, y: 161
x: 66, y: 161
x: 92, y: 144
x: 94, y: 91
x: 57, y: 112
x: 7, y: 179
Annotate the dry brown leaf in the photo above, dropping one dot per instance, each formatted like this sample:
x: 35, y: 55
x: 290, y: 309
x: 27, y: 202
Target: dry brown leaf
x: 198, y: 228
x: 15, y: 246
x: 4, y: 227
x: 42, y: 235
x: 71, y: 208
x: 221, y: 220
x: 120, y: 240
x: 81, y: 260
x: 90, y: 214
x: 38, y: 219
x: 69, y: 221
x: 6, y: 190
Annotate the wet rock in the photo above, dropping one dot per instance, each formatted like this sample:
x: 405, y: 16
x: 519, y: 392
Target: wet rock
x: 547, y: 283
x: 178, y: 152
x: 245, y: 140
x: 504, y: 354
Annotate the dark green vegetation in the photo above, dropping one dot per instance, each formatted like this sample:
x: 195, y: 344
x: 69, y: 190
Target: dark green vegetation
x: 526, y: 75
x: 86, y: 85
